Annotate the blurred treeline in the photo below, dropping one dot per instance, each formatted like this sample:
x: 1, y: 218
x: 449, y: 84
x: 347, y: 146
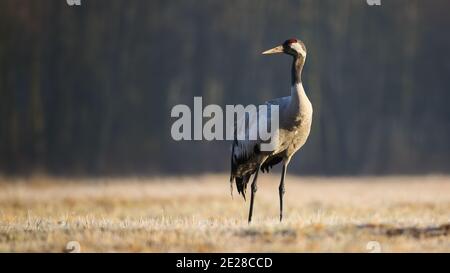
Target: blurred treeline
x: 88, y: 90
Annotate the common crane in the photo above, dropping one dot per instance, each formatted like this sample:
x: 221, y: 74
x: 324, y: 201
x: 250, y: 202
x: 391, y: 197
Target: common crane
x: 295, y: 118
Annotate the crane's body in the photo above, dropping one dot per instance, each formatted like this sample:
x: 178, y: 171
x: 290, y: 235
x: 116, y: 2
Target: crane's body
x: 295, y: 119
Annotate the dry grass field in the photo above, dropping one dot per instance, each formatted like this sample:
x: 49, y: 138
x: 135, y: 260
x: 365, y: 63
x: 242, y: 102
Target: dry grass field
x: 197, y: 214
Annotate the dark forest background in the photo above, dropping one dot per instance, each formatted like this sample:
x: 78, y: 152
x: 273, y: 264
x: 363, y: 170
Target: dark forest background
x: 88, y: 90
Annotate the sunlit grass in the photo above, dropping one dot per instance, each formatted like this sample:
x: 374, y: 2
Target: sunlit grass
x: 198, y: 214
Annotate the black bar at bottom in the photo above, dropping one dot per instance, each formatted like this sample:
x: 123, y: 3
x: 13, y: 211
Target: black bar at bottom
x: 225, y: 262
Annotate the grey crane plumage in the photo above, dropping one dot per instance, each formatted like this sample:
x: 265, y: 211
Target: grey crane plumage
x: 295, y: 118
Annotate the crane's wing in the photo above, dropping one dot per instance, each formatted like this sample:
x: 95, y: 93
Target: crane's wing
x: 275, y: 158
x: 246, y: 154
x: 270, y: 162
x: 281, y: 102
x: 244, y: 151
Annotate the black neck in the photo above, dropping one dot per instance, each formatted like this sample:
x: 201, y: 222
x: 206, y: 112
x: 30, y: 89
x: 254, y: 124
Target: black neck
x: 297, y: 68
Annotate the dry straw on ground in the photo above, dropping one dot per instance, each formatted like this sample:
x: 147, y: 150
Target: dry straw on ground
x: 197, y: 214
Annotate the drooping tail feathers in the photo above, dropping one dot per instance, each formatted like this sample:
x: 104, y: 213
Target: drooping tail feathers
x: 241, y: 184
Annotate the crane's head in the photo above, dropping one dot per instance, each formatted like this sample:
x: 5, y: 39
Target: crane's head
x: 293, y: 47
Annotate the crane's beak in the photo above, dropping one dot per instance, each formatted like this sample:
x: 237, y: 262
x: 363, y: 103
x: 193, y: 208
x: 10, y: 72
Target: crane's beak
x: 275, y: 50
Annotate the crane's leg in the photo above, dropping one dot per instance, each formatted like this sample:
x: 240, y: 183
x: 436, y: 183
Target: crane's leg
x: 281, y: 190
x: 252, y: 198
